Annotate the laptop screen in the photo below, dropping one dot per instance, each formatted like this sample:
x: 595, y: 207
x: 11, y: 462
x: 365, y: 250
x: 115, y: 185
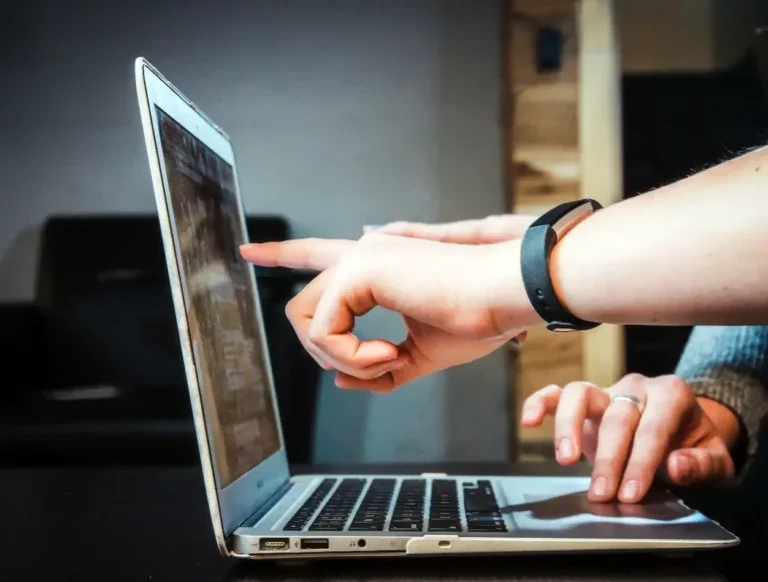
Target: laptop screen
x: 220, y: 302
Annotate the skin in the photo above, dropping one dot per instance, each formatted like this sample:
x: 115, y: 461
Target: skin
x: 684, y: 439
x: 670, y: 433
x: 692, y: 253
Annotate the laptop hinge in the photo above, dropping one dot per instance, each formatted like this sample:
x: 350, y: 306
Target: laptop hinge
x: 264, y: 508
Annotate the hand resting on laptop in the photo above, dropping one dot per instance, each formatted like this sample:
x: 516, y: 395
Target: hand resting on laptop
x: 663, y: 429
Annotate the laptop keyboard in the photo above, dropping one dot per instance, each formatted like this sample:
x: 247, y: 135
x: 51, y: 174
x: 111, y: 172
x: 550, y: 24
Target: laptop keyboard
x: 336, y: 512
x: 408, y: 514
x: 444, y: 515
x: 373, y: 511
x: 299, y: 521
x: 380, y: 510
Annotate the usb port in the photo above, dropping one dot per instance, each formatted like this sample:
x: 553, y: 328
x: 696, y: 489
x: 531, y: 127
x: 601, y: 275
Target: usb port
x: 273, y: 544
x: 314, y: 544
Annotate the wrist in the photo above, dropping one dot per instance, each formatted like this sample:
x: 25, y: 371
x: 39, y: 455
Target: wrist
x: 507, y: 299
x: 725, y: 421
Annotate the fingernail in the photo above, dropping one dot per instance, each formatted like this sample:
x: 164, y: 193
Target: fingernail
x: 683, y: 466
x: 600, y: 486
x: 530, y: 414
x: 565, y: 449
x: 629, y: 491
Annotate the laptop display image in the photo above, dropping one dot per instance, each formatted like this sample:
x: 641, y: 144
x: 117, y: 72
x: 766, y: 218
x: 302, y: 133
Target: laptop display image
x: 230, y: 355
x: 258, y: 508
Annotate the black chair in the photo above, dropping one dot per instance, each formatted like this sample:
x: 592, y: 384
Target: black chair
x: 113, y: 388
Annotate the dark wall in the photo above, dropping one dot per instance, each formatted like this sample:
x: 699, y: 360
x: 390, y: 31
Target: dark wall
x: 675, y: 125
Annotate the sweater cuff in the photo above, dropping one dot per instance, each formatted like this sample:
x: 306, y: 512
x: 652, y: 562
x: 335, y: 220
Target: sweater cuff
x: 742, y: 393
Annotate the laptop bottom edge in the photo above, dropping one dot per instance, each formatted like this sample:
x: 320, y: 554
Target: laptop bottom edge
x: 364, y: 515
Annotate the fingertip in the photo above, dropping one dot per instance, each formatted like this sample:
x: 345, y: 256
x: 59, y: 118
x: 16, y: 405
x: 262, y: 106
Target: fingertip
x: 342, y: 381
x: 380, y: 385
x: 533, y: 414
x: 631, y: 491
x: 245, y: 250
x: 254, y: 253
x: 376, y: 352
x: 568, y: 451
x: 681, y: 468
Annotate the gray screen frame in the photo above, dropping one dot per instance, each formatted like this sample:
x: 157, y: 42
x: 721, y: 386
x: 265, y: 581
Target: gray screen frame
x: 232, y: 505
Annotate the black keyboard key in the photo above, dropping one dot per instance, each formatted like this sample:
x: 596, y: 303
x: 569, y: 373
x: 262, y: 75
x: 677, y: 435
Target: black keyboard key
x: 408, y: 513
x: 373, y: 509
x: 480, y: 498
x: 481, y: 509
x: 366, y: 526
x: 326, y: 527
x: 493, y: 528
x: 405, y: 526
x: 445, y: 525
x: 444, y: 507
x: 335, y: 513
x: 299, y: 520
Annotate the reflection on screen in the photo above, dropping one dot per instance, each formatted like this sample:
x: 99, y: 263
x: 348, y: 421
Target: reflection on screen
x: 220, y: 303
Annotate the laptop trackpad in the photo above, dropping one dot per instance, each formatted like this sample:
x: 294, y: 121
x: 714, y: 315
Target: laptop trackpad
x: 560, y: 506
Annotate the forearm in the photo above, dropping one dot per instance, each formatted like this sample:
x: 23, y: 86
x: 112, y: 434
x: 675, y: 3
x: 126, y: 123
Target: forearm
x: 694, y: 252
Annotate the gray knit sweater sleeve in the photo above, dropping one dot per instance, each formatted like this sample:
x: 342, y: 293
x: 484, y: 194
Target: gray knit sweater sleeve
x: 730, y: 365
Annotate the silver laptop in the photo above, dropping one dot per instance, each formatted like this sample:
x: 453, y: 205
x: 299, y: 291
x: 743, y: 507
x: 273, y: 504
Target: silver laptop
x: 258, y: 509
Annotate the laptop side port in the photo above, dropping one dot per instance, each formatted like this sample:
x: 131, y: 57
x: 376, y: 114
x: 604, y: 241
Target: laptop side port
x: 273, y: 544
x: 314, y: 544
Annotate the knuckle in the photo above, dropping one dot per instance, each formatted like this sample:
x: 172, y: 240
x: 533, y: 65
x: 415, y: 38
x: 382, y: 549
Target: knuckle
x: 291, y: 308
x: 576, y: 389
x: 676, y: 387
x: 549, y: 389
x: 316, y: 336
x: 634, y: 379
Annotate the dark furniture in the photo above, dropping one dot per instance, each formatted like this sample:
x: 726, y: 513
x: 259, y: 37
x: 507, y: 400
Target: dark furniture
x: 93, y: 369
x: 152, y: 524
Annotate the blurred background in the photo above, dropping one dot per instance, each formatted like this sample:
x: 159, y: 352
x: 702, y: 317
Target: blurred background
x: 343, y: 113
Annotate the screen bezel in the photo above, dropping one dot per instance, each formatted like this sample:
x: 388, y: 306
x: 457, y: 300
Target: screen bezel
x: 233, y: 504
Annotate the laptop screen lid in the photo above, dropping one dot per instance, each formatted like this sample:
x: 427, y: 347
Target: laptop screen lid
x: 216, y: 300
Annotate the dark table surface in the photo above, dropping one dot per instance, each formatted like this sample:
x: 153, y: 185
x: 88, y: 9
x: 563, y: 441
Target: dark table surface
x: 152, y: 523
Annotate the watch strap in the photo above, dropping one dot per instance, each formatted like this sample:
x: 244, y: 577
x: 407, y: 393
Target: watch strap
x: 538, y: 242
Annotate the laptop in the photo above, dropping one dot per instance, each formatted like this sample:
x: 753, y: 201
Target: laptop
x: 258, y: 508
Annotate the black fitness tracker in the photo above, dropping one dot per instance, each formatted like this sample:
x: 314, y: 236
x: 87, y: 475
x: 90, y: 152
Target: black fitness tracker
x: 538, y: 241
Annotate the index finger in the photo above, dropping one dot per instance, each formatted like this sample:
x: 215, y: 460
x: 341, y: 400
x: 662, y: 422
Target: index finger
x: 308, y: 253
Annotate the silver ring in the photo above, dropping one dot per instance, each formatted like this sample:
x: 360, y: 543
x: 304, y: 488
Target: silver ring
x: 627, y: 398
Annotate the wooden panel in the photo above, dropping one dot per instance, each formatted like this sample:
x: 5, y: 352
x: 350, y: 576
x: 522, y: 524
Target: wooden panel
x: 547, y: 358
x: 545, y: 127
x: 563, y: 139
x: 545, y: 161
x: 601, y: 157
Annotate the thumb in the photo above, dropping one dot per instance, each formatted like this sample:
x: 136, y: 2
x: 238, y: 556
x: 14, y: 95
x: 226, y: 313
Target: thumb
x: 492, y: 229
x: 710, y: 462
